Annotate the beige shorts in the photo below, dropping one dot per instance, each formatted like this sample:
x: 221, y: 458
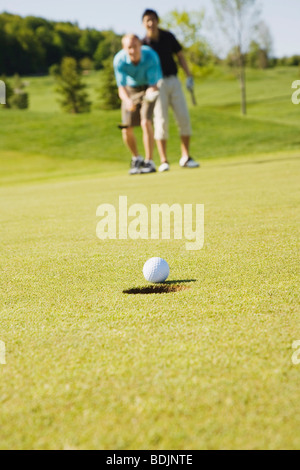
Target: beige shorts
x: 144, y: 110
x: 171, y: 94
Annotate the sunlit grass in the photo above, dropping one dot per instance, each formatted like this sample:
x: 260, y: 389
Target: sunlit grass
x: 206, y: 364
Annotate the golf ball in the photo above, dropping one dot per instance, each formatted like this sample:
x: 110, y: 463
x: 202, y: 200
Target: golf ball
x: 156, y: 270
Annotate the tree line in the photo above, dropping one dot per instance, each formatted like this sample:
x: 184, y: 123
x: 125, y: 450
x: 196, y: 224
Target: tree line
x: 30, y: 45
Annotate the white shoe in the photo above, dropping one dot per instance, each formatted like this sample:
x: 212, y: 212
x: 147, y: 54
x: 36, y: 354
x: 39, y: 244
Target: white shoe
x: 164, y: 167
x: 188, y: 162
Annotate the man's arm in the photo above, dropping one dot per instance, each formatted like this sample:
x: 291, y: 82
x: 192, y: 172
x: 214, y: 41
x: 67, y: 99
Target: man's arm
x: 183, y: 63
x: 150, y: 95
x: 189, y: 80
x: 121, y: 82
x: 130, y: 106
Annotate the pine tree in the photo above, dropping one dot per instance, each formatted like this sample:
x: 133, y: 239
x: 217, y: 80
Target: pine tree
x: 108, y: 91
x: 71, y: 87
x: 19, y: 99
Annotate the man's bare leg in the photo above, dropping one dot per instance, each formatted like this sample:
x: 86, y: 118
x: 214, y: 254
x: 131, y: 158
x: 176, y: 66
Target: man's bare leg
x: 186, y: 160
x: 148, y: 139
x: 130, y: 141
x: 185, y: 145
x: 162, y: 150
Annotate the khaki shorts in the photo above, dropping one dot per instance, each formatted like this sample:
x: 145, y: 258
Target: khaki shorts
x: 144, y: 110
x: 171, y: 94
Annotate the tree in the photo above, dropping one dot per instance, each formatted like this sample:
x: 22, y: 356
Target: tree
x: 187, y: 27
x: 238, y: 20
x: 108, y: 91
x: 89, y: 41
x: 69, y: 35
x: 257, y: 57
x: 265, y: 39
x: 31, y: 45
x: 19, y: 98
x: 107, y: 48
x: 16, y: 96
x: 260, y: 49
x: 86, y: 65
x: 50, y: 41
x: 70, y: 86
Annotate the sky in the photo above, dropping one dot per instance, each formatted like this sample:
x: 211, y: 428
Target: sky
x: 281, y: 16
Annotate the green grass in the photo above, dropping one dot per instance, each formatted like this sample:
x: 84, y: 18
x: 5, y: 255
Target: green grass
x: 272, y: 123
x: 207, y: 367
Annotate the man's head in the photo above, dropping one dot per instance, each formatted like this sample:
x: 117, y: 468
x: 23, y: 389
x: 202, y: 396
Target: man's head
x: 150, y: 21
x: 132, y: 45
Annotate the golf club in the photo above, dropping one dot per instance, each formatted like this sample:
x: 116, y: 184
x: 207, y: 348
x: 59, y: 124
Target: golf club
x: 193, y: 97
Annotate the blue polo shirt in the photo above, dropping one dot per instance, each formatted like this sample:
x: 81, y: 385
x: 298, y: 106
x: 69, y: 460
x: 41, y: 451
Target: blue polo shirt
x: 146, y: 72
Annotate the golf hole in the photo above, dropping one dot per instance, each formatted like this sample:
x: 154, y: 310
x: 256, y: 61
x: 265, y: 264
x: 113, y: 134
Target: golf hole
x: 158, y: 289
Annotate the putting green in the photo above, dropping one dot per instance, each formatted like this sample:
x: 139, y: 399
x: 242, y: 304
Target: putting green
x: 207, y: 365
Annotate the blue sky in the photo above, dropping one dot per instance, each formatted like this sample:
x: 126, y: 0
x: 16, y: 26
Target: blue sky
x: 282, y: 16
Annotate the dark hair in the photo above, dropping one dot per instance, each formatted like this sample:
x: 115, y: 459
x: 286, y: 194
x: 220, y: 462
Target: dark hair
x: 150, y: 12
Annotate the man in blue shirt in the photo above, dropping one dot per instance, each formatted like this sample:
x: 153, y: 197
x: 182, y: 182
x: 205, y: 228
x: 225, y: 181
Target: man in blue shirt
x: 138, y: 71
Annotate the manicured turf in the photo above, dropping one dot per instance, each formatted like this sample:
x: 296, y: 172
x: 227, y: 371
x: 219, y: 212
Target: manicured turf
x: 272, y: 123
x: 207, y: 366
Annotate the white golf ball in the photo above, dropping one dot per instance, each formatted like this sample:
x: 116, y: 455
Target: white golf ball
x: 156, y: 270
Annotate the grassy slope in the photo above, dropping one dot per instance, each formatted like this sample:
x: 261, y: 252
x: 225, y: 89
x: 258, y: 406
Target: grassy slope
x: 271, y: 125
x: 91, y: 367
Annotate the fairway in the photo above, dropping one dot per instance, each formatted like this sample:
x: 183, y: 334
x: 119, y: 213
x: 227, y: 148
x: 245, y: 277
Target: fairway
x: 207, y: 366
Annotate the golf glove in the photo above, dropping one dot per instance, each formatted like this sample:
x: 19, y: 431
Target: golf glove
x: 190, y: 83
x: 151, y: 96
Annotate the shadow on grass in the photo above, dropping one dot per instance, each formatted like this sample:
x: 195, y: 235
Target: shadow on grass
x: 164, y: 288
x: 258, y: 162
